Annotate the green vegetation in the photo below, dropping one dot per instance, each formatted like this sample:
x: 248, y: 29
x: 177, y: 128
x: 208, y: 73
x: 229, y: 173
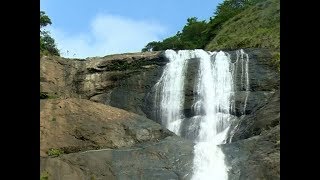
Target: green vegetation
x: 225, y: 11
x: 276, y: 60
x: 235, y: 24
x: 52, y: 97
x: 45, y: 95
x: 191, y: 37
x: 55, y: 152
x: 47, y: 43
x: 256, y: 26
x: 53, y: 119
x: 44, y: 175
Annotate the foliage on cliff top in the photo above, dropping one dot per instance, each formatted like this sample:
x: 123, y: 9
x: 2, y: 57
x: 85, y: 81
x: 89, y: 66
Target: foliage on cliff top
x: 47, y: 43
x: 257, y: 26
x: 198, y: 34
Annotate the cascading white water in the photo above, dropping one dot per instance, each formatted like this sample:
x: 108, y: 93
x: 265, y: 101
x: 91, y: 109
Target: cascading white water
x: 244, y: 73
x: 212, y: 105
x: 247, y: 77
x: 244, y: 77
x: 215, y: 89
x: 171, y: 89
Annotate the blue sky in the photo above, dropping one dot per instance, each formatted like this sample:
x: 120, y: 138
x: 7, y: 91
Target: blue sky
x: 84, y: 28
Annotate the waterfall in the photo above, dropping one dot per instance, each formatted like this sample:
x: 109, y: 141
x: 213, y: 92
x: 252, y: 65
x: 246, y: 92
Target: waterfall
x: 214, y: 93
x: 244, y: 74
x: 244, y: 77
x: 215, y: 90
x: 170, y: 86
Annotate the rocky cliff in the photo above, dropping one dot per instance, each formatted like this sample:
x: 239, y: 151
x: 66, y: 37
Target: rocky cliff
x: 81, y: 139
x: 98, y: 120
x: 118, y: 80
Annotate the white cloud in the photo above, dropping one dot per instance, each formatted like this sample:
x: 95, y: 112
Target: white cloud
x: 109, y: 34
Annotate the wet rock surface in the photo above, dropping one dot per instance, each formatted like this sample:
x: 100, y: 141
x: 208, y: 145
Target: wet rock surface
x: 257, y: 157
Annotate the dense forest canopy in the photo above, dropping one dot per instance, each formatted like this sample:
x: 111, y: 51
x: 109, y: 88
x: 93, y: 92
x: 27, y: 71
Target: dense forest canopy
x: 197, y: 34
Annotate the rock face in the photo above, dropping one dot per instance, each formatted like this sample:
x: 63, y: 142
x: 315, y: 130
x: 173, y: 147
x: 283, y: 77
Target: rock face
x: 257, y: 157
x: 56, y: 77
x: 265, y: 118
x: 119, y: 80
x: 253, y: 148
x: 130, y: 146
x: 168, y: 159
x: 103, y: 142
x: 254, y: 151
x: 74, y: 125
x: 127, y: 81
x: 264, y: 80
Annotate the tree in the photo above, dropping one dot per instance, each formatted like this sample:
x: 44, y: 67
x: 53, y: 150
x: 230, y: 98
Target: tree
x: 47, y: 43
x: 44, y: 20
x: 173, y: 42
x: 152, y: 46
x: 197, y: 34
x: 192, y: 34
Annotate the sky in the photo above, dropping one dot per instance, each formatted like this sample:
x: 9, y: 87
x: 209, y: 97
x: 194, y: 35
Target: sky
x: 83, y: 28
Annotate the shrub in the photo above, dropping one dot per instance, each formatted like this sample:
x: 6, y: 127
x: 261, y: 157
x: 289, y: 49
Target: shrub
x: 55, y: 152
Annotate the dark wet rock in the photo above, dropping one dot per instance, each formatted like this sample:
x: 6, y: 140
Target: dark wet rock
x: 170, y: 158
x: 254, y: 151
x: 253, y: 144
x: 255, y: 100
x: 257, y: 157
x: 133, y: 93
x: 189, y: 90
x: 264, y: 118
x: 262, y: 75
